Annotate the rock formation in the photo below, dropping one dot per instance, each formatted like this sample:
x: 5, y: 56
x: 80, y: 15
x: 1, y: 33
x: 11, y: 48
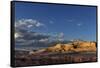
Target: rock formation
x: 80, y: 46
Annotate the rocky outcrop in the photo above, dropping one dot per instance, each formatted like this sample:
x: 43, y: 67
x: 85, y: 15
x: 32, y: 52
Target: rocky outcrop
x: 79, y: 46
x: 59, y: 48
x: 84, y: 46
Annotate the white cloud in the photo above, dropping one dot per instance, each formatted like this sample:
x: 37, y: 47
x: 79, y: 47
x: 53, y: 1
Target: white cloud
x: 79, y: 24
x: 17, y: 35
x: 39, y: 24
x: 61, y: 39
x: 57, y: 36
x: 60, y: 35
x: 44, y: 40
x: 29, y: 26
x: 28, y: 23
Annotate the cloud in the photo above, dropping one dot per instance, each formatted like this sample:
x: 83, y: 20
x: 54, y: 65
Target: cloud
x: 39, y: 24
x: 60, y: 35
x: 79, y: 24
x: 16, y: 35
x: 24, y: 25
x: 25, y: 36
x: 51, y: 22
x: 35, y: 36
x: 35, y: 39
x: 28, y: 23
x: 32, y: 39
x: 56, y: 36
x: 61, y: 39
x: 44, y: 40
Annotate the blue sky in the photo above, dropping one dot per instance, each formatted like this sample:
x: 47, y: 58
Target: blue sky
x: 74, y: 22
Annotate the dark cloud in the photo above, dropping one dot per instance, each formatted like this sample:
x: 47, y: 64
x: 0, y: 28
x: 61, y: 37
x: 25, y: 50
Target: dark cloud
x: 36, y: 36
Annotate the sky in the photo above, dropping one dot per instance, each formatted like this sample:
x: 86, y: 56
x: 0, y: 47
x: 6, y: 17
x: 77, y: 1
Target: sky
x: 62, y: 21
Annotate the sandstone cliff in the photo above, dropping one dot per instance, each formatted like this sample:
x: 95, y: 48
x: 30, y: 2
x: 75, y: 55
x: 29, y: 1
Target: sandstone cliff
x: 73, y: 47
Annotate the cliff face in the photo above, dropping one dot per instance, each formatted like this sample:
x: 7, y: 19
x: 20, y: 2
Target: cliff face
x: 59, y: 48
x: 85, y: 46
x: 73, y: 47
